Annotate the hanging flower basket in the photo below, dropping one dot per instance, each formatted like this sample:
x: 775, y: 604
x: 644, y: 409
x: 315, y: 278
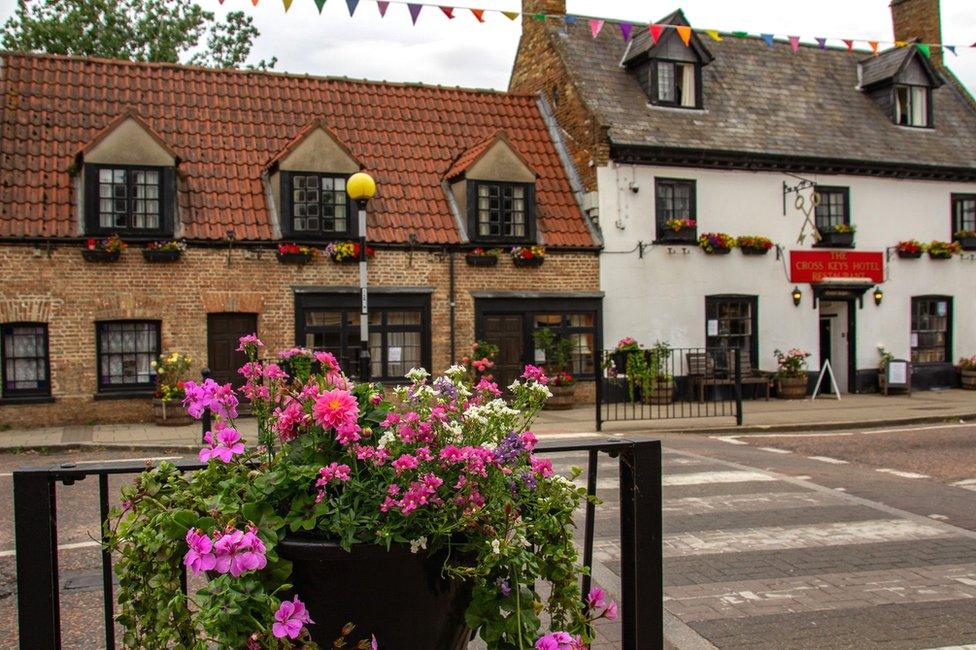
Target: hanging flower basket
x: 103, y: 250
x: 754, y: 244
x: 528, y: 256
x: 681, y: 231
x: 840, y: 236
x: 716, y: 243
x: 942, y: 250
x: 100, y: 256
x: 482, y: 257
x: 966, y: 239
x: 161, y: 255
x: 296, y: 254
x: 910, y: 249
x: 346, y: 252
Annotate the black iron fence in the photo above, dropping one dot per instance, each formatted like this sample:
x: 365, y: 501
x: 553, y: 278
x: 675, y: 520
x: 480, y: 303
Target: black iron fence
x: 641, y: 569
x: 667, y: 383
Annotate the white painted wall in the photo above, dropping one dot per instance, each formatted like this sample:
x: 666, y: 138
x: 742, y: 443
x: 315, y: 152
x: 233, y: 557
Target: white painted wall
x: 662, y: 295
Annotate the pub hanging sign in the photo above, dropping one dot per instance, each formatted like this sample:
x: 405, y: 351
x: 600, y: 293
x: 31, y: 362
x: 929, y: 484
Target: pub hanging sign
x: 817, y: 266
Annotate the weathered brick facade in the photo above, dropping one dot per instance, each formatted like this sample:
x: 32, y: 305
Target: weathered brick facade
x: 918, y: 20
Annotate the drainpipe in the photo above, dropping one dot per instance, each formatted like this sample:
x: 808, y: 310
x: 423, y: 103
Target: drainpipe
x: 452, y: 305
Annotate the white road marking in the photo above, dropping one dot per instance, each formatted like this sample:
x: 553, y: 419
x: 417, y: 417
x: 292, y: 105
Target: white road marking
x: 828, y: 459
x: 732, y: 440
x: 702, y: 478
x: 62, y: 547
x: 841, y: 489
x: 931, y: 428
x: 939, y: 517
x: 774, y: 450
x: 966, y: 482
x: 895, y: 472
x: 802, y: 477
x: 830, y: 434
x: 971, y: 646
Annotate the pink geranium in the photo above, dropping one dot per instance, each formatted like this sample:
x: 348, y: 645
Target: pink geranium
x: 560, y: 641
x: 335, y: 408
x: 199, y: 557
x: 238, y: 552
x: 535, y: 373
x: 227, y: 445
x: 290, y: 618
x: 249, y: 340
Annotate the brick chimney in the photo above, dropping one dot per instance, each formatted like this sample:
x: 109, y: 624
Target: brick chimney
x: 918, y: 20
x: 530, y: 7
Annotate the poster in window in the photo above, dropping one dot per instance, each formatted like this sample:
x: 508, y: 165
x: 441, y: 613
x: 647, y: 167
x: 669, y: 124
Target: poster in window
x: 394, y: 354
x: 914, y: 339
x: 712, y: 327
x: 941, y: 309
x: 897, y: 373
x: 540, y: 356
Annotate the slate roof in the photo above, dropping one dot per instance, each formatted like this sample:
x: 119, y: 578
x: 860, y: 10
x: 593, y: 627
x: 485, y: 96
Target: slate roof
x: 226, y: 126
x: 762, y: 100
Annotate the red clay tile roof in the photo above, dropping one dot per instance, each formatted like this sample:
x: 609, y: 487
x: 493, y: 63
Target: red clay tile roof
x: 472, y: 155
x: 227, y: 125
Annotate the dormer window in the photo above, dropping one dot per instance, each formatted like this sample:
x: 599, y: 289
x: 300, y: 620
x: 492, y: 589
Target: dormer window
x: 319, y: 207
x: 900, y: 81
x: 912, y: 105
x: 675, y: 83
x: 129, y: 198
x: 503, y: 210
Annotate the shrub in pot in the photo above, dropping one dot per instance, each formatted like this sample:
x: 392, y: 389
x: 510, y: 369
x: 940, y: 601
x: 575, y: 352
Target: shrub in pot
x: 967, y: 369
x: 438, y: 486
x: 648, y: 378
x: 617, y: 362
x: 791, y: 377
x: 171, y: 370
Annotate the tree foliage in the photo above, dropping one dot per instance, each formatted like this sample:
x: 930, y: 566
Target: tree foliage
x: 138, y: 30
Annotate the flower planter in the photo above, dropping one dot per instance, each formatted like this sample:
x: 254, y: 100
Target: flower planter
x: 294, y: 258
x: 753, y: 250
x: 170, y: 414
x: 481, y: 260
x: 837, y: 239
x: 969, y: 379
x: 940, y: 256
x: 680, y: 237
x: 399, y: 597
x: 563, y: 398
x: 791, y: 387
x: 967, y: 243
x: 620, y: 358
x: 95, y: 255
x: 523, y: 262
x: 718, y: 251
x: 151, y: 255
x: 346, y: 260
x: 907, y: 255
x: 661, y: 392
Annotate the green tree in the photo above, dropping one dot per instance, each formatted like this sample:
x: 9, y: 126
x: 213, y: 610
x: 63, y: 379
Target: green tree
x: 138, y: 30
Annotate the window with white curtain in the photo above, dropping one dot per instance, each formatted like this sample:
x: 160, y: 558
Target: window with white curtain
x: 674, y: 84
x: 912, y: 105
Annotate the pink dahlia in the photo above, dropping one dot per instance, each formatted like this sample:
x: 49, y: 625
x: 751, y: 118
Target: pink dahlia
x: 336, y: 408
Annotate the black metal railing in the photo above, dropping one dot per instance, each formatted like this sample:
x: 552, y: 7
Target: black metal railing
x: 671, y: 383
x: 641, y: 564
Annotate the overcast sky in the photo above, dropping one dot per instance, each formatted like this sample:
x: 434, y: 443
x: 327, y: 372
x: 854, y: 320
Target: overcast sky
x: 463, y: 52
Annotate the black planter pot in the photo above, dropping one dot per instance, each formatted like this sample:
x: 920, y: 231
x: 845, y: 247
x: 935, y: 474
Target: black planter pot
x: 525, y: 263
x: 94, y: 255
x: 906, y: 255
x: 718, y: 251
x: 940, y: 256
x: 679, y: 237
x: 481, y: 260
x: 294, y: 258
x: 967, y: 243
x: 346, y: 260
x: 151, y: 255
x: 620, y: 360
x: 837, y: 240
x: 753, y: 250
x: 399, y: 597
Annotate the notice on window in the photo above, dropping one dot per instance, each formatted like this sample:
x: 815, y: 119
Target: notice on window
x: 942, y: 309
x: 914, y: 339
x: 712, y: 328
x: 897, y: 372
x: 394, y: 354
x: 540, y: 356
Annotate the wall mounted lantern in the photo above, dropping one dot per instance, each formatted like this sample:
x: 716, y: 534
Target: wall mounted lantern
x: 878, y: 295
x: 797, y: 296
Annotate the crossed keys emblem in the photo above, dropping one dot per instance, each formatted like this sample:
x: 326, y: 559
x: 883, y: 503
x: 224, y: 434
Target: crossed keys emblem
x: 808, y: 215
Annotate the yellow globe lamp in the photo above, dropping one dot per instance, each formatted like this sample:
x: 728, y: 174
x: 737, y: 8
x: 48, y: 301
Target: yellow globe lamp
x: 361, y: 187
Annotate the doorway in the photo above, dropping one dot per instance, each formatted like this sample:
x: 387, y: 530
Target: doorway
x: 505, y: 331
x: 223, y: 332
x: 838, y: 343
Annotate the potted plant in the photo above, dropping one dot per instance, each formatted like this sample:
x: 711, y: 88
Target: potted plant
x: 648, y: 378
x: 886, y: 357
x: 791, y: 378
x: 967, y: 369
x: 679, y: 230
x: 163, y: 251
x: 840, y: 235
x: 943, y: 250
x: 558, y: 352
x: 348, y: 507
x: 966, y: 239
x: 618, y: 358
x: 716, y: 243
x: 525, y: 256
x: 910, y: 249
x: 754, y: 244
x: 103, y: 250
x: 343, y: 252
x: 483, y: 257
x: 296, y: 253
x: 171, y: 373
x: 480, y: 361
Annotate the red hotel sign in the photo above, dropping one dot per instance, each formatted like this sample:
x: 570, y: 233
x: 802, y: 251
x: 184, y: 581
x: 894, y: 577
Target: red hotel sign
x: 815, y: 266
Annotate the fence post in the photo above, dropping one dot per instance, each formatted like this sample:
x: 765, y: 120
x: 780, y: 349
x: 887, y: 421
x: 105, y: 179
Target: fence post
x: 36, y: 538
x: 205, y: 423
x: 599, y: 390
x: 738, y: 387
x: 641, y: 546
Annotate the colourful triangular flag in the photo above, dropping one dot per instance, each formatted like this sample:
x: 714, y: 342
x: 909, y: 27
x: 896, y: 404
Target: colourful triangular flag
x: 511, y: 15
x: 625, y: 29
x: 287, y: 4
x: 220, y: 1
x: 901, y: 43
x: 794, y: 43
x: 849, y: 43
x: 570, y: 20
x: 352, y: 6
x: 479, y: 14
x: 254, y: 2
x: 448, y: 11
x: 414, y: 11
x: 951, y: 48
x: 656, y: 31
x: 741, y: 34
x: 595, y: 27
x: 924, y: 49
x: 382, y: 6
x: 874, y: 46
x: 685, y: 33
x: 539, y: 15
x: 320, y: 4
x: 822, y: 43
x: 714, y: 34
x: 768, y: 38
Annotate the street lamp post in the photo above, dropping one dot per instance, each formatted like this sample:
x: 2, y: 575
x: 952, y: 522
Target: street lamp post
x: 361, y: 188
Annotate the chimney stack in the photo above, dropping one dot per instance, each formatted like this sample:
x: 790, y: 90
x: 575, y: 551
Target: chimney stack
x: 530, y: 7
x: 918, y: 20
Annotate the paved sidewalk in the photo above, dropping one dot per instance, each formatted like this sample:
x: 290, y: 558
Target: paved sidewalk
x: 760, y: 415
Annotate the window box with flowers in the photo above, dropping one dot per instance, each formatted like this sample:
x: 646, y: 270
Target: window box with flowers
x: 967, y: 371
x: 346, y: 252
x: 527, y: 256
x: 103, y: 250
x: 791, y: 377
x: 296, y: 253
x: 483, y: 257
x: 910, y: 249
x: 171, y: 370
x: 754, y: 244
x: 966, y: 239
x: 163, y: 251
x: 683, y: 231
x: 840, y: 235
x: 943, y: 250
x: 716, y: 243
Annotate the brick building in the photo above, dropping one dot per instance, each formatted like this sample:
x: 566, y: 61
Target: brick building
x: 235, y: 162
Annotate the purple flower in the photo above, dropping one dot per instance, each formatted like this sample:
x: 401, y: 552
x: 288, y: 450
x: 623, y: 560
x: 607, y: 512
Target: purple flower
x: 509, y: 449
x: 504, y: 588
x: 559, y: 641
x: 290, y: 618
x: 199, y: 557
x: 228, y: 445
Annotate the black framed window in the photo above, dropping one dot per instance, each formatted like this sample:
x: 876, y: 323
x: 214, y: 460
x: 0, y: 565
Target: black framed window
x: 963, y: 212
x: 931, y: 329
x: 674, y: 199
x: 128, y: 200
x: 126, y: 350
x: 834, y: 208
x: 675, y: 83
x: 913, y: 105
x: 315, y: 205
x: 501, y: 212
x: 399, y: 331
x: 26, y: 366
x: 731, y: 324
x: 580, y: 329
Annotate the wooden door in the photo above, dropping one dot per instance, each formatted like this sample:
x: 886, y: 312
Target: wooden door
x: 223, y: 332
x: 506, y: 331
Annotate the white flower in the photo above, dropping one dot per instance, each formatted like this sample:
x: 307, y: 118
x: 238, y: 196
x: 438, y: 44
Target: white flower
x: 490, y: 446
x: 456, y: 371
x: 417, y: 374
x: 514, y: 386
x: 496, y: 547
x: 417, y: 544
x: 385, y: 439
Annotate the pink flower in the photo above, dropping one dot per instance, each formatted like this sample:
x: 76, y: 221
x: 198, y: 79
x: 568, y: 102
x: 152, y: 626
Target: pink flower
x: 251, y: 370
x: 228, y: 445
x: 219, y: 399
x: 611, y: 611
x: 403, y: 463
x: 594, y: 599
x: 559, y: 641
x: 328, y: 361
x: 290, y: 618
x: 528, y: 440
x: 238, y: 552
x: 274, y: 372
x: 249, y: 339
x: 535, y: 373
x: 348, y: 433
x: 288, y: 419
x: 199, y: 557
x: 335, y: 408
x: 334, y: 472
x: 541, y: 466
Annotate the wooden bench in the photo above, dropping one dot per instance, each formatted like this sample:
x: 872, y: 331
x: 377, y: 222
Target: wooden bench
x: 702, y: 373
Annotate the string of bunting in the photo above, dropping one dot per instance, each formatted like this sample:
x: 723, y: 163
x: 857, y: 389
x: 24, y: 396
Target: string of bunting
x: 626, y: 28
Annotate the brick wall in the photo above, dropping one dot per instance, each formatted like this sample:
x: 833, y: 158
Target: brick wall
x: 918, y: 19
x: 70, y: 295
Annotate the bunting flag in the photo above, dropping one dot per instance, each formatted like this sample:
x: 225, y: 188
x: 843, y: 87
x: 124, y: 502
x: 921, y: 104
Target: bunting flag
x: 685, y: 33
x: 320, y: 4
x: 479, y: 14
x: 874, y: 47
x: 448, y: 11
x: 254, y: 2
x: 595, y: 27
x: 924, y: 49
x: 714, y: 34
x: 382, y: 6
x: 352, y: 4
x: 901, y: 43
x: 849, y: 43
x: 570, y: 19
x: 220, y: 1
x: 821, y: 43
x: 414, y: 11
x: 768, y: 38
x: 625, y: 30
x: 741, y: 34
x: 511, y: 15
x: 951, y: 48
x: 794, y: 43
x: 539, y: 16
x: 656, y: 31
